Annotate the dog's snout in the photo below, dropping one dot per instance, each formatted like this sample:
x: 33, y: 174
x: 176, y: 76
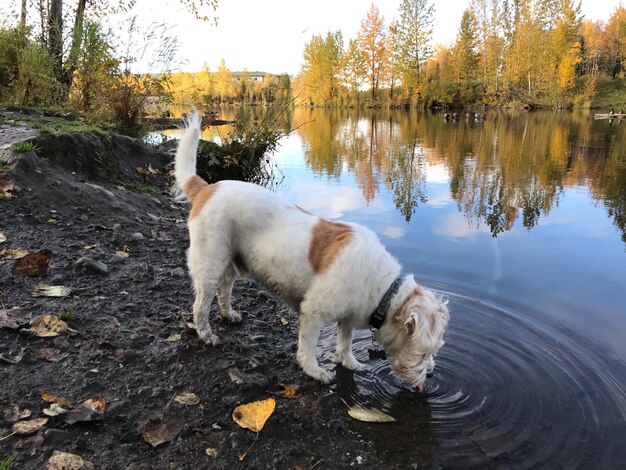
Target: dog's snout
x: 429, y: 374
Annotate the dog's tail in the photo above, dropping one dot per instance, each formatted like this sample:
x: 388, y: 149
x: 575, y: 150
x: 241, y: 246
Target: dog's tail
x: 187, y: 183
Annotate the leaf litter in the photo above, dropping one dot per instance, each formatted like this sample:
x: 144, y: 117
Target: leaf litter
x: 15, y: 318
x: 47, y: 326
x: 44, y: 290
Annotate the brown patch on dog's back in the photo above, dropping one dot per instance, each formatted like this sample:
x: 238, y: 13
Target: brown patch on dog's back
x: 327, y: 241
x: 199, y: 192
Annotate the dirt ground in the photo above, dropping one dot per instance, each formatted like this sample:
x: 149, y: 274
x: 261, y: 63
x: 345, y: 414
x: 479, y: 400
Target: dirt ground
x: 80, y: 199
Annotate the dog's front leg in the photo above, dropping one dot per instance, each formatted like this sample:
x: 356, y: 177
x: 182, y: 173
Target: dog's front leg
x: 344, y: 346
x: 308, y: 335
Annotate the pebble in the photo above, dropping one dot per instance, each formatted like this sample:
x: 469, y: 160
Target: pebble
x: 116, y: 259
x: 56, y: 437
x: 335, y: 425
x: 253, y: 379
x: 57, y: 279
x: 91, y: 265
x: 137, y: 237
x: 178, y: 272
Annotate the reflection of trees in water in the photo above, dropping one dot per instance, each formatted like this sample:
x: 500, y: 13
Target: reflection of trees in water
x: 512, y: 166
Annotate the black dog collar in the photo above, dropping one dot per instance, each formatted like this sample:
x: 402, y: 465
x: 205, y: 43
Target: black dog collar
x: 377, y: 318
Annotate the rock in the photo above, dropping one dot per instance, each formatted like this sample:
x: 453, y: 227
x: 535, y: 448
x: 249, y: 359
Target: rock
x: 335, y: 425
x: 253, y: 379
x: 56, y: 280
x: 92, y: 266
x: 178, y: 272
x: 56, y: 437
x: 137, y: 237
x: 117, y: 259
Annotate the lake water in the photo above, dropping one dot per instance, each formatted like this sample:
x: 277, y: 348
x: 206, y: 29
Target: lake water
x: 520, y: 221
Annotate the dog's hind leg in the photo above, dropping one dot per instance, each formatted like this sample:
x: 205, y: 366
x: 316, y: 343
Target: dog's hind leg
x: 206, y: 272
x: 223, y: 295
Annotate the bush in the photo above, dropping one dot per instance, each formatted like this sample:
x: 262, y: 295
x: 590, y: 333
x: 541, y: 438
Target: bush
x: 35, y: 84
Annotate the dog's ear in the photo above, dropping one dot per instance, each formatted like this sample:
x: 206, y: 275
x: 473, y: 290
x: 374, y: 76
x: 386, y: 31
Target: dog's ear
x: 424, y: 326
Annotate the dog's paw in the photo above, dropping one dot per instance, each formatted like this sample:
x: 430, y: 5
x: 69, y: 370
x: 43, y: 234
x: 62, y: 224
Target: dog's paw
x: 209, y: 338
x: 352, y: 364
x: 322, y: 375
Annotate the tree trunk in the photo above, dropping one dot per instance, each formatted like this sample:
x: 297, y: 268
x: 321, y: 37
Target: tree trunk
x: 55, y: 36
x: 23, y: 15
x: 77, y: 41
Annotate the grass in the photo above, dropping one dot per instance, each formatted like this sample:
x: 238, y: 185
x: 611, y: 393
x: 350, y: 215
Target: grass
x: 57, y: 126
x: 25, y: 147
x: 610, y: 93
x: 6, y: 463
x: 144, y: 188
x: 67, y: 316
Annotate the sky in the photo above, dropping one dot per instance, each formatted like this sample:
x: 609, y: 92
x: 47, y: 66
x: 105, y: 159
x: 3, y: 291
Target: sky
x: 270, y: 35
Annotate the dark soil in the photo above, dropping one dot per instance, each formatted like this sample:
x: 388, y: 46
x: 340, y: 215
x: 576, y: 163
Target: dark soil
x: 81, y: 195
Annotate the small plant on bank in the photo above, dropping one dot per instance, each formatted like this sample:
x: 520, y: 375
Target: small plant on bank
x: 68, y: 315
x: 6, y: 463
x: 25, y: 147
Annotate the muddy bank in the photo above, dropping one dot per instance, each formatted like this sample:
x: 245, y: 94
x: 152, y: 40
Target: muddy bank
x: 88, y: 201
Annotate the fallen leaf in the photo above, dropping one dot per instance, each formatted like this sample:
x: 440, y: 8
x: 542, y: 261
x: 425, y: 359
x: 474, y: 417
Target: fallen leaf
x: 6, y: 184
x: 123, y: 254
x: 254, y: 415
x: 288, y: 391
x: 13, y: 413
x: 65, y: 461
x: 50, y: 355
x: 174, y: 337
x: 54, y: 410
x: 156, y: 434
x: 14, y: 253
x: 33, y: 264
x: 15, y: 317
x: 211, y: 452
x: 49, y: 398
x: 152, y: 170
x: 24, y: 428
x: 91, y: 409
x: 3, y: 237
x: 44, y: 290
x: 187, y: 399
x: 47, y: 326
x: 369, y: 415
x: 283, y: 320
x: 140, y: 170
x: 12, y: 358
x: 90, y: 247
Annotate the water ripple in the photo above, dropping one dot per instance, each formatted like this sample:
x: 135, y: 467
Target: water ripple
x: 510, y: 388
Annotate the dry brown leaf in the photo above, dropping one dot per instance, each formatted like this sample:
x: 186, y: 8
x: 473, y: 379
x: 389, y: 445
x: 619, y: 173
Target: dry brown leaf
x: 13, y: 357
x: 288, y: 391
x: 14, y: 253
x: 152, y: 170
x: 50, y: 354
x: 49, y: 398
x: 14, y: 413
x: 156, y: 434
x: 65, y: 461
x: 369, y: 415
x: 47, y: 326
x: 24, y: 428
x: 3, y: 237
x: 254, y: 415
x: 15, y: 317
x: 211, y: 452
x: 123, y: 254
x: 33, y: 264
x: 44, y: 290
x: 6, y: 184
x: 187, y: 399
x: 140, y: 170
x: 91, y: 409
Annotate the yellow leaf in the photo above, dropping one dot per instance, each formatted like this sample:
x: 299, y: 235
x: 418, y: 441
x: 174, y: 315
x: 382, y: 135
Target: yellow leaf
x: 254, y: 415
x: 188, y: 399
x: 289, y: 391
x: 174, y: 337
x: 369, y: 415
x: 13, y: 253
x: 47, y: 326
x: 23, y: 428
x: 32, y: 264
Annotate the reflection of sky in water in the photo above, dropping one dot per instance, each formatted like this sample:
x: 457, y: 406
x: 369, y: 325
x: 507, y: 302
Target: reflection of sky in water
x: 570, y: 267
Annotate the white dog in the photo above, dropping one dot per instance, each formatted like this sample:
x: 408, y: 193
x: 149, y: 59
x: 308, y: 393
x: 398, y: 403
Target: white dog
x: 328, y: 271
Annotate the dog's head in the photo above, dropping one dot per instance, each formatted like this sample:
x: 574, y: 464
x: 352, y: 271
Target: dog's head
x: 414, y: 334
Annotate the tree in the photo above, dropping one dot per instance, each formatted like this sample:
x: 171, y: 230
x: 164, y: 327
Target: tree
x: 322, y: 66
x: 372, y: 42
x: 414, y: 38
x: 354, y: 68
x: 465, y: 58
x: 224, y: 82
